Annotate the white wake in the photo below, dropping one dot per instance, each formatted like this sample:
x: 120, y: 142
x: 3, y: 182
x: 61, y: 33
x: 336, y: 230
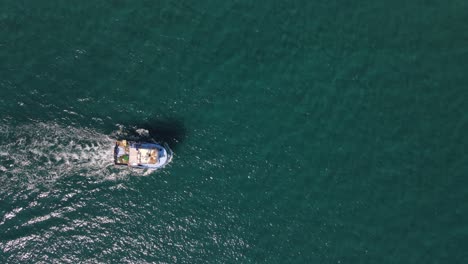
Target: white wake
x: 42, y: 152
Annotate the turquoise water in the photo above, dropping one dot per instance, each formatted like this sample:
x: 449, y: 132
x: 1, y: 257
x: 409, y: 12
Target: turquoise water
x: 304, y: 132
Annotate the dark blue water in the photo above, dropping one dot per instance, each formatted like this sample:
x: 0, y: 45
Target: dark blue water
x: 305, y: 132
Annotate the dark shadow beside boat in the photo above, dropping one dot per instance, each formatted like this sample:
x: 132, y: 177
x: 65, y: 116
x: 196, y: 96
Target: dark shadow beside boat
x: 170, y: 131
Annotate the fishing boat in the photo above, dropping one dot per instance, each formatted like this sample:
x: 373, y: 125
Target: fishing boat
x: 141, y: 154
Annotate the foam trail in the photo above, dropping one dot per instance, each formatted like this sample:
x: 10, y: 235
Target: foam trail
x: 45, y: 152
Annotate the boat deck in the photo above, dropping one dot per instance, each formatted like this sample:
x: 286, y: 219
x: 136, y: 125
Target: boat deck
x: 141, y: 155
x: 133, y: 157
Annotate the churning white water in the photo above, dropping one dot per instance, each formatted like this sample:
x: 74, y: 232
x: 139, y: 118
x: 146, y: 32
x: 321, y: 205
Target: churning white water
x: 42, y: 152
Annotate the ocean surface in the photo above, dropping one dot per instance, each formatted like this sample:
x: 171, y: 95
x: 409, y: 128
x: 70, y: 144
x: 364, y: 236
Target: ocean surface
x: 303, y: 131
